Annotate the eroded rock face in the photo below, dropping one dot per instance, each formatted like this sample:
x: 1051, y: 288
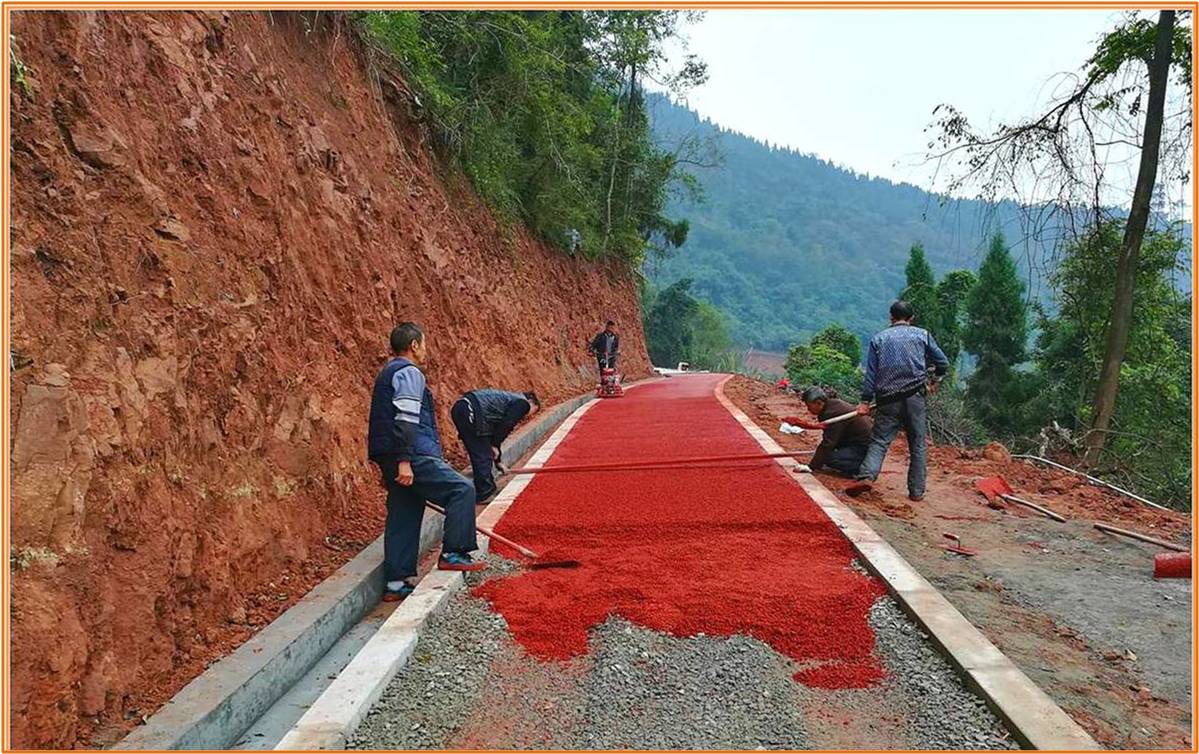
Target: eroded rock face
x: 216, y: 223
x: 52, y: 464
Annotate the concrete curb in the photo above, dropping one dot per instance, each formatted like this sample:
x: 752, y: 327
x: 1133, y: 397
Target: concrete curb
x: 1034, y: 719
x: 217, y: 706
x: 332, y: 719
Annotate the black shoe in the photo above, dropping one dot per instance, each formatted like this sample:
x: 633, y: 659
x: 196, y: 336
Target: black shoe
x: 916, y: 498
x: 484, y: 499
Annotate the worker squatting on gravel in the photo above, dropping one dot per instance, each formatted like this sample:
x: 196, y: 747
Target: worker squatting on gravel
x: 896, y: 383
x: 484, y: 419
x: 402, y: 441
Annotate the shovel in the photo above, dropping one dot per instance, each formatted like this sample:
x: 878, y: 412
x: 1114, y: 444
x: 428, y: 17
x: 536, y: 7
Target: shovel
x: 994, y: 487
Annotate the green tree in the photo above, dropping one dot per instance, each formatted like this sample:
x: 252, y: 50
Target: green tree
x: 952, y: 293
x: 669, y: 326
x: 830, y: 358
x: 680, y: 327
x: 711, y: 342
x: 545, y: 113
x: 1060, y: 155
x: 921, y: 290
x: 820, y: 364
x: 1149, y: 445
x: 997, y: 333
x: 838, y: 338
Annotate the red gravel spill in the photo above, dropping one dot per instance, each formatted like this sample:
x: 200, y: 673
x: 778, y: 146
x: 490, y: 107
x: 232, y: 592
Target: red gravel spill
x: 685, y: 551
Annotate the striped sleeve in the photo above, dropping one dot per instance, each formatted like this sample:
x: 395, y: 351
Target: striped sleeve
x: 408, y: 386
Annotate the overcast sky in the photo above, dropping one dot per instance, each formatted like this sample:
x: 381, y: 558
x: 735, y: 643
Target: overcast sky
x: 858, y: 87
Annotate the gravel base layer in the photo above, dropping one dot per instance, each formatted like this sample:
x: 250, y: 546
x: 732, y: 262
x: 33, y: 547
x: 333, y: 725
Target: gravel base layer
x: 469, y: 685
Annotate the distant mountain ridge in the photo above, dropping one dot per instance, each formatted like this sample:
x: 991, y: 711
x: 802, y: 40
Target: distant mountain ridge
x: 785, y: 243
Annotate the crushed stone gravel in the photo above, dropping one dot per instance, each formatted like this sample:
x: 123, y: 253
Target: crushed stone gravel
x: 470, y: 685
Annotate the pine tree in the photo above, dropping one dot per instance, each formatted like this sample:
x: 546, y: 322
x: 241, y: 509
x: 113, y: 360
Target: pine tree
x: 952, y: 293
x: 997, y: 333
x: 921, y: 290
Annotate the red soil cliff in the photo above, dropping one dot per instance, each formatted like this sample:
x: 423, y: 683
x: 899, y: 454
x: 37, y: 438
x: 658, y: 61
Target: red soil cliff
x: 217, y: 219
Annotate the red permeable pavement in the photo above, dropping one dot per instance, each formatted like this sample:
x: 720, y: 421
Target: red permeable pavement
x: 734, y: 548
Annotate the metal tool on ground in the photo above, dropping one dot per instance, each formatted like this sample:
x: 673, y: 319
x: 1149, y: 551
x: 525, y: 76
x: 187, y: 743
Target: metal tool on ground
x: 1094, y: 480
x: 993, y: 487
x: 956, y: 547
x: 1172, y: 565
x: 518, y: 547
x: 1142, y: 537
x: 658, y: 463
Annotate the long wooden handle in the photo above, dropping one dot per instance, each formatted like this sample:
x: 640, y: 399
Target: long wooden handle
x: 519, y: 548
x: 844, y: 417
x: 1034, y: 506
x: 661, y: 462
x: 1142, y: 537
x: 1093, y: 479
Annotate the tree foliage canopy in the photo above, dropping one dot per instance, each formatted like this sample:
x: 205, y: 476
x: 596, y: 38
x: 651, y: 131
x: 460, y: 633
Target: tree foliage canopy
x: 545, y: 113
x: 829, y: 359
x: 1150, y: 437
x: 680, y: 327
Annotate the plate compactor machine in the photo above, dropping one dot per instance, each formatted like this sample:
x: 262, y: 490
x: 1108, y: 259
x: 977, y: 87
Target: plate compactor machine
x: 609, y: 384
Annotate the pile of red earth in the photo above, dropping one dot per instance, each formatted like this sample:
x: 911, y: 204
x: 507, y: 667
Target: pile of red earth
x: 687, y: 551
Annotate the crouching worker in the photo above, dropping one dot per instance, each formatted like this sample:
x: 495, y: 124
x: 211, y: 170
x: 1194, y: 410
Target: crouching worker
x: 844, y: 444
x: 402, y: 442
x: 484, y: 419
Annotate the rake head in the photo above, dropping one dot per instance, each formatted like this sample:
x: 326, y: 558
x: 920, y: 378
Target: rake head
x: 553, y: 564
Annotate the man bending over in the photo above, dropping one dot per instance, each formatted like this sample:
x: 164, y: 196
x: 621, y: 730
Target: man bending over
x: 484, y: 419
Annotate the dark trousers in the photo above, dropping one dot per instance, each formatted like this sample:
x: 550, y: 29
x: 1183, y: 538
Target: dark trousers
x: 605, y: 362
x: 847, y: 459
x: 911, y: 415
x: 436, y: 481
x: 478, y: 448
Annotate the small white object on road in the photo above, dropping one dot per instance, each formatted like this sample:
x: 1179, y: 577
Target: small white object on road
x: 789, y: 429
x: 803, y: 468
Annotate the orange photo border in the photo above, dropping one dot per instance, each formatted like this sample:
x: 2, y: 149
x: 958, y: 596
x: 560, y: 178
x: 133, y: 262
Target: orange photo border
x: 9, y: 6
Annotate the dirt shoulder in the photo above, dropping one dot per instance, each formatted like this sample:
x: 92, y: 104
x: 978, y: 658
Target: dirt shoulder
x: 1078, y: 611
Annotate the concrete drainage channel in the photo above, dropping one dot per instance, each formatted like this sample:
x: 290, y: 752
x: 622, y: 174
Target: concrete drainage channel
x: 254, y: 696
x: 334, y: 679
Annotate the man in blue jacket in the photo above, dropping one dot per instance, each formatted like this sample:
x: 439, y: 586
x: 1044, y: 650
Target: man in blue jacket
x: 402, y: 441
x: 896, y: 381
x: 484, y: 419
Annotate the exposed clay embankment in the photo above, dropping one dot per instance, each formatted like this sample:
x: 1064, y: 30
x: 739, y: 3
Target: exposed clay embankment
x: 217, y: 218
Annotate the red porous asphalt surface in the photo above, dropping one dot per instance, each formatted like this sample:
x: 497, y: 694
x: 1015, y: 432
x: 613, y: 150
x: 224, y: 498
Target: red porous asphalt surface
x: 732, y: 548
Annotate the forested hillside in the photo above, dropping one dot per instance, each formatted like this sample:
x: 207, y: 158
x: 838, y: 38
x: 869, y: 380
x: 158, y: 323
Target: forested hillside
x: 785, y: 243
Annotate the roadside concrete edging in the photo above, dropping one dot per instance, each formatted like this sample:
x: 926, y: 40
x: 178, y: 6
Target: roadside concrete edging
x: 217, y: 706
x: 332, y: 719
x: 1034, y: 719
